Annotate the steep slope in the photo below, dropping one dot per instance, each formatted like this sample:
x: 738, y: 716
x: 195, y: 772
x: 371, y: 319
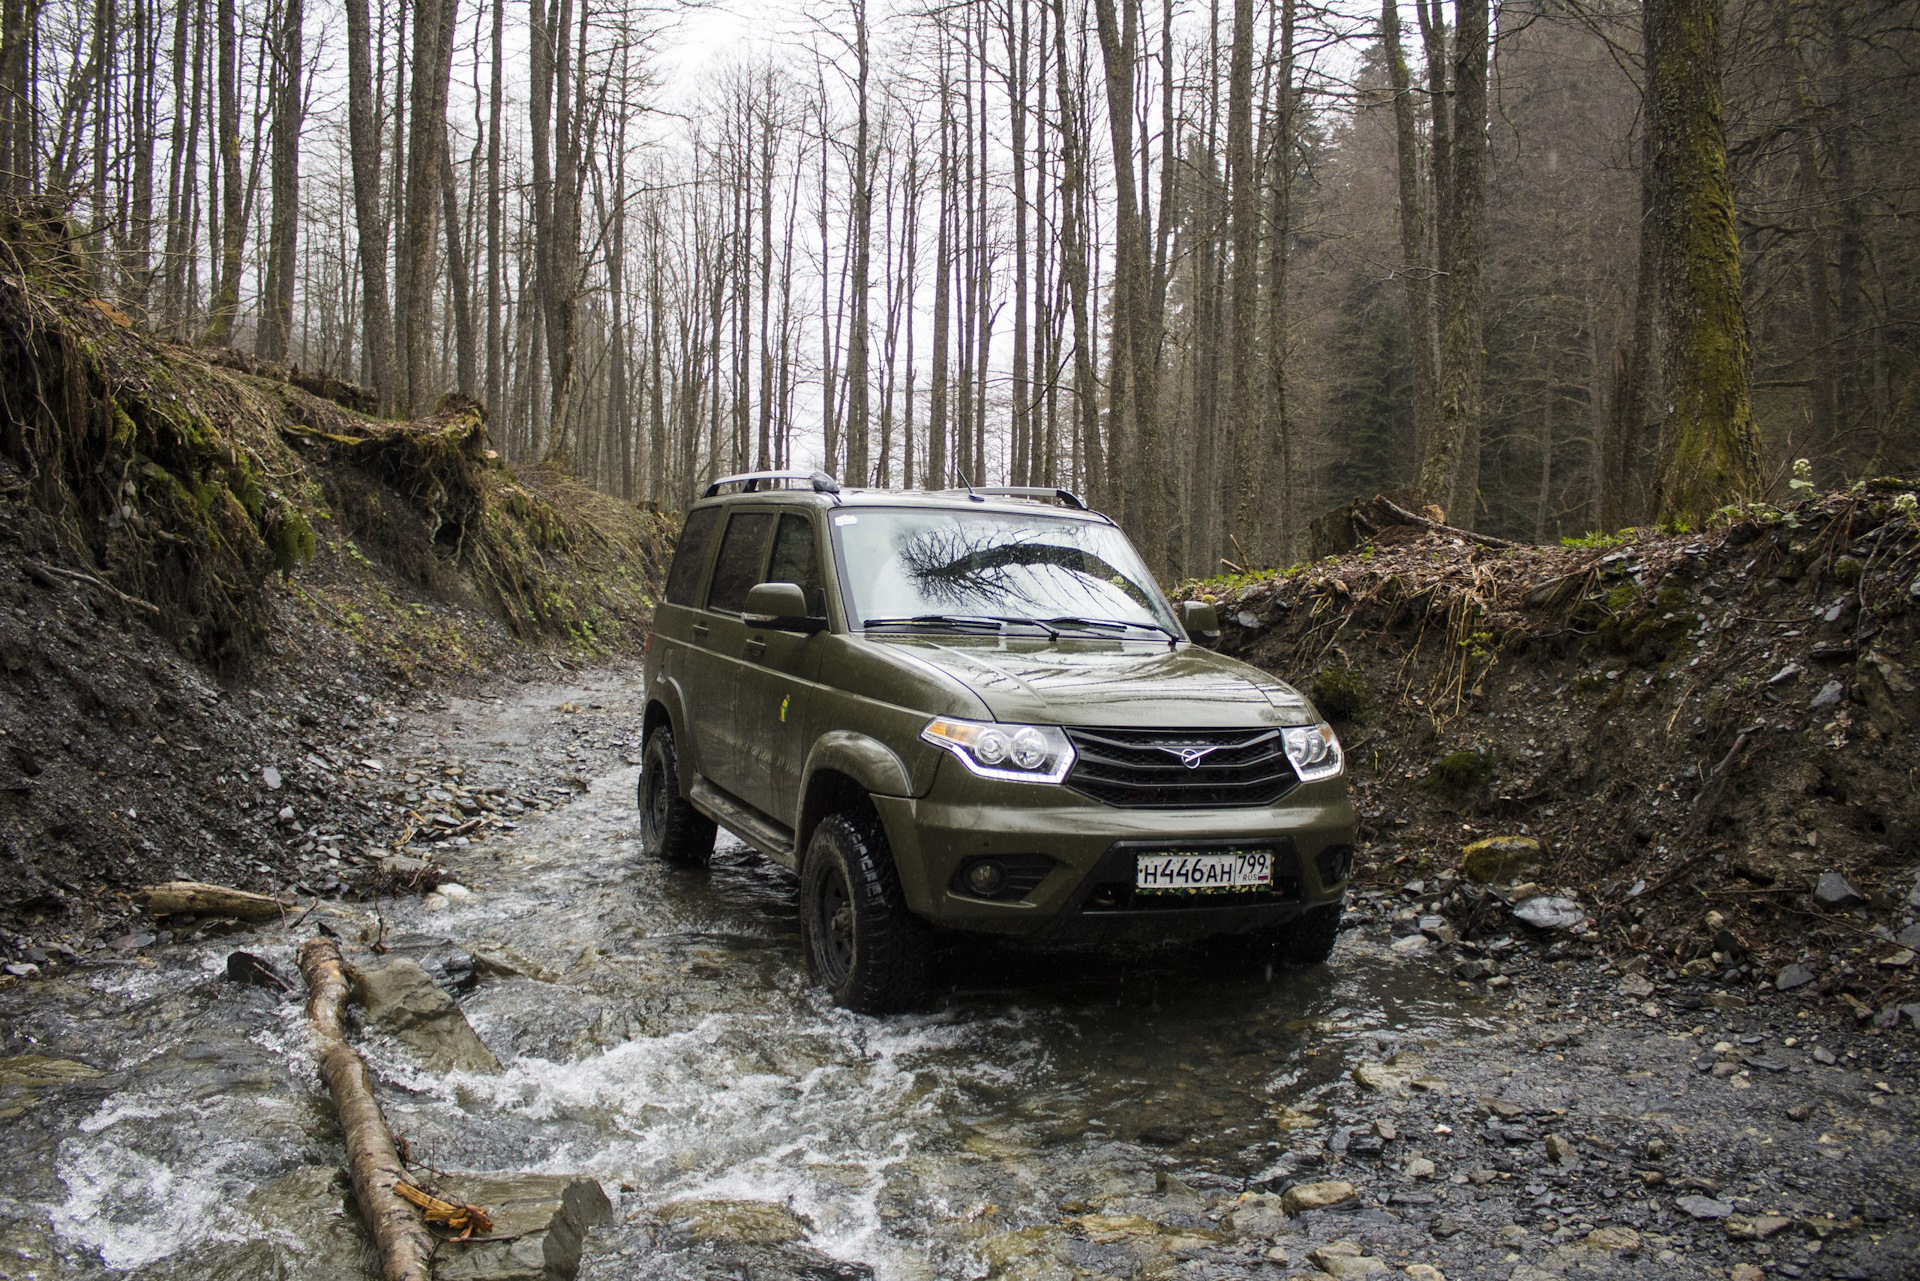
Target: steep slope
x: 1695, y: 726
x: 217, y: 581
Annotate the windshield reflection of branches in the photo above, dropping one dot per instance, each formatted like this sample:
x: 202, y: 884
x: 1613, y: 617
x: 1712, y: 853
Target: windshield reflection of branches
x: 984, y: 566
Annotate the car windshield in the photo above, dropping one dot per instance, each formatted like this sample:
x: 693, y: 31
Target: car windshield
x: 906, y: 564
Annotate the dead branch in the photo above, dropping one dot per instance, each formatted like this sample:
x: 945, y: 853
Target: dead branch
x: 210, y: 900
x: 1484, y: 540
x: 373, y: 1165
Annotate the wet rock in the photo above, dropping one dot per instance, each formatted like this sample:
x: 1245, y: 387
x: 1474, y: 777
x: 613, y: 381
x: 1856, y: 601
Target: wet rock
x: 1425, y: 1272
x: 1612, y: 1238
x: 1830, y: 694
x: 1747, y: 1272
x: 22, y: 1076
x: 1793, y: 976
x: 1343, y: 1259
x: 271, y: 778
x: 1500, y: 858
x: 1420, y: 1168
x: 499, y: 961
x: 1302, y: 1197
x: 1637, y: 986
x: 1909, y: 938
x: 1260, y: 1215
x: 1412, y: 945
x: 402, y: 998
x: 1835, y: 893
x: 1396, y: 1077
x: 740, y: 1222
x: 1703, y: 1207
x: 542, y: 1220
x: 1559, y: 1149
x: 1545, y: 912
x: 245, y: 967
x: 1757, y: 1228
x: 1474, y: 970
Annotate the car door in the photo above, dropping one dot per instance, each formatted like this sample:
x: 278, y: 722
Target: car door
x: 736, y: 568
x: 782, y: 668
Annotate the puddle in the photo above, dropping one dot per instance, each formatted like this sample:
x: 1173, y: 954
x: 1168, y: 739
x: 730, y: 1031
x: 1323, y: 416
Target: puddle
x: 678, y: 1053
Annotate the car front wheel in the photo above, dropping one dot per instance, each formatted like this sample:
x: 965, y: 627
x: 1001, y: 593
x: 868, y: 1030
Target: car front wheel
x: 862, y: 942
x: 670, y: 828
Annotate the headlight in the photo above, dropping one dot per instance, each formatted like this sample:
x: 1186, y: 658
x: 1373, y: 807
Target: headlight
x: 1021, y: 753
x: 1314, y: 751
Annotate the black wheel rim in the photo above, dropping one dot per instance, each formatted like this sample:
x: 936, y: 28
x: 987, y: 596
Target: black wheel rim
x: 653, y: 806
x: 833, y: 928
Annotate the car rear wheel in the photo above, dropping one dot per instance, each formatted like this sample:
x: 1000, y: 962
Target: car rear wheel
x: 862, y: 942
x: 670, y: 828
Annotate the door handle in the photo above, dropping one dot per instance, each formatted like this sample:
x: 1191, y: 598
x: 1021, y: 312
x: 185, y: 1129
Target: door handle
x: 700, y: 631
x: 755, y: 647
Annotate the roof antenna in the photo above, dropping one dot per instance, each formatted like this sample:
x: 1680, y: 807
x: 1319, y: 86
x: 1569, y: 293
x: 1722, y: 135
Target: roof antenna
x: 969, y: 484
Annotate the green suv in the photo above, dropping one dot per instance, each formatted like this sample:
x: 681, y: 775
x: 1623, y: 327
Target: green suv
x: 975, y: 710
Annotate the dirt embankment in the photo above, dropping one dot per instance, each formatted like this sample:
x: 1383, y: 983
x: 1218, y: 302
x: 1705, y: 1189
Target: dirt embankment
x: 1696, y: 728
x: 218, y: 588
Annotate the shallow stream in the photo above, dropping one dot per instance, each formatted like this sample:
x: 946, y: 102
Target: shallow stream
x: 669, y: 1044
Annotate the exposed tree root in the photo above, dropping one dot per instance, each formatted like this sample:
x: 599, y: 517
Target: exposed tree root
x: 373, y: 1164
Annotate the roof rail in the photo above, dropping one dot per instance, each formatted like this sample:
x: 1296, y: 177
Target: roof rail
x: 1066, y: 496
x: 751, y: 481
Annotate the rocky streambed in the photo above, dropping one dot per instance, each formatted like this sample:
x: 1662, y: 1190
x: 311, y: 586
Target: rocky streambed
x: 653, y: 1087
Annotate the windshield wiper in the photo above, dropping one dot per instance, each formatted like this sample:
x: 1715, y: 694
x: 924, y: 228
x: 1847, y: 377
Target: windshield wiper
x: 963, y: 622
x: 1107, y: 624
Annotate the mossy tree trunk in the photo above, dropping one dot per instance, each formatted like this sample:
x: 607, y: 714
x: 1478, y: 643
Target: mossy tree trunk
x: 1709, y: 452
x: 1449, y: 472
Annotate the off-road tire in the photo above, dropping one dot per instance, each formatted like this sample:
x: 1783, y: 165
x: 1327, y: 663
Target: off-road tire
x: 1308, y: 939
x: 670, y: 828
x: 861, y: 941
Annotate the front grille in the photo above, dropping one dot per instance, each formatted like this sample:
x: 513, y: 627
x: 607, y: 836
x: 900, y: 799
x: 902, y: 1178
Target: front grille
x: 1143, y: 769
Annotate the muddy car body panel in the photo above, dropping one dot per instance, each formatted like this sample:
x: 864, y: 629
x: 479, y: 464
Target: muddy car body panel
x: 1161, y: 747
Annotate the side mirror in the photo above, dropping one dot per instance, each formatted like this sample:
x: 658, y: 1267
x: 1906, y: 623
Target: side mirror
x: 782, y: 606
x: 1201, y: 622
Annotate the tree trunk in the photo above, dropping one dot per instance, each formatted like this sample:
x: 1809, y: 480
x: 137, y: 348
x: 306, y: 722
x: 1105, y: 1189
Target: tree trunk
x: 1709, y: 450
x: 276, y: 308
x: 1135, y: 352
x: 1455, y: 441
x: 1243, y: 483
x: 363, y: 132
x: 426, y: 146
x: 465, y: 360
x: 233, y: 227
x: 1416, y: 273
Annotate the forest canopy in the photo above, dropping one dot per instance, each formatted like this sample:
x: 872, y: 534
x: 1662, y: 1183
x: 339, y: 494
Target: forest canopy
x: 1218, y: 266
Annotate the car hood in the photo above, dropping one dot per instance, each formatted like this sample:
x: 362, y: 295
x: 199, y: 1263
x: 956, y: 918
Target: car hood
x: 1110, y: 683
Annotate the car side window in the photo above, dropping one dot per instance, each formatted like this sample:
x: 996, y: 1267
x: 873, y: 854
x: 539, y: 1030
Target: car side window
x: 690, y: 556
x: 743, y: 550
x: 795, y: 560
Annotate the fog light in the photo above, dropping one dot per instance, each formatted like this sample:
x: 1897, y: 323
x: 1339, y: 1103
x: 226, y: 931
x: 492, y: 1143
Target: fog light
x: 986, y: 877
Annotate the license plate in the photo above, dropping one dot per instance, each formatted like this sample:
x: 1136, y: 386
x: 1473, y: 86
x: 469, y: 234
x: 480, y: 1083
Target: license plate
x: 1213, y: 873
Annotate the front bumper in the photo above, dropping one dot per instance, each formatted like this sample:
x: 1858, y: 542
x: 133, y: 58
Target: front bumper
x: 1087, y: 891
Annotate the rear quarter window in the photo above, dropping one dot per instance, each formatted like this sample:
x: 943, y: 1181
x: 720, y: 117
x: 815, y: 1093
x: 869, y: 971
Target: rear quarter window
x: 690, y: 556
x: 743, y: 553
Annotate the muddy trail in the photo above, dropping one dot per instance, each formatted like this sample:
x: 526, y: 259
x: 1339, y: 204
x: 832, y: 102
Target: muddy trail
x: 1100, y: 1114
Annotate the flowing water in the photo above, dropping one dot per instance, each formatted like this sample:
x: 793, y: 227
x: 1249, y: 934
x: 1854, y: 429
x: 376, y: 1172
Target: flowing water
x: 670, y: 1045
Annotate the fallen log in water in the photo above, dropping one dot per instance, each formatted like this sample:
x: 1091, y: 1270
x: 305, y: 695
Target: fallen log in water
x: 373, y: 1164
x: 210, y: 900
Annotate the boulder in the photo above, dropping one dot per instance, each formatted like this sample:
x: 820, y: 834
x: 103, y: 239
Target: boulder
x: 1499, y: 859
x: 541, y: 1221
x: 1835, y: 893
x: 1261, y: 1215
x: 402, y: 998
x: 1302, y: 1197
x: 1793, y: 976
x: 1547, y: 912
